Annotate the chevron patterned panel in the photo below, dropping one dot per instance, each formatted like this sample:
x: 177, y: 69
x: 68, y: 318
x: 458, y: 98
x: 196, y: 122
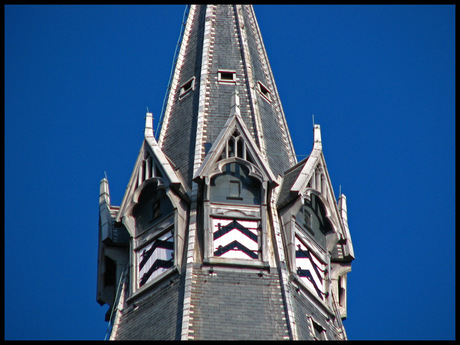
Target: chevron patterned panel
x: 155, y: 258
x: 237, y: 239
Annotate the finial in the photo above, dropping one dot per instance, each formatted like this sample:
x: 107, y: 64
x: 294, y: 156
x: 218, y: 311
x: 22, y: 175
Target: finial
x: 317, y: 134
x: 104, y: 193
x: 148, y: 124
x: 313, y: 119
x: 235, y: 109
x: 342, y: 204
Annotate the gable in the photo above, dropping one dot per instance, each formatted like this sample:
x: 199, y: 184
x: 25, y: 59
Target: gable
x: 308, y: 180
x: 151, y: 166
x: 235, y: 143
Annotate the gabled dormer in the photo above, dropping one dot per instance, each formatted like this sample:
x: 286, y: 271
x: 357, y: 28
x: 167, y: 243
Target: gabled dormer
x: 315, y: 229
x: 235, y: 182
x: 154, y: 211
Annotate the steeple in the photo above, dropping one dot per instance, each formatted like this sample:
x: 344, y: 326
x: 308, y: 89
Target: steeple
x: 221, y: 233
x: 222, y: 52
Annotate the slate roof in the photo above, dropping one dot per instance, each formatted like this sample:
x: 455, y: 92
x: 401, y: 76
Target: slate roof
x: 290, y: 176
x: 156, y: 317
x: 236, y: 305
x: 225, y: 39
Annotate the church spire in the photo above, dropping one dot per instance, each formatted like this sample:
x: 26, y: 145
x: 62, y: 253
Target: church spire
x: 221, y: 234
x: 222, y: 52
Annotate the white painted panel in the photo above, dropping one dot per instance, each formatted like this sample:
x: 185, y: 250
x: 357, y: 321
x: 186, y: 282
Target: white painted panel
x: 313, y: 270
x: 158, y: 254
x: 236, y: 243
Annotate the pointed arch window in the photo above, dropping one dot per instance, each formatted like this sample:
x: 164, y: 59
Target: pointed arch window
x: 323, y: 184
x: 318, y: 181
x: 236, y: 147
x: 147, y: 169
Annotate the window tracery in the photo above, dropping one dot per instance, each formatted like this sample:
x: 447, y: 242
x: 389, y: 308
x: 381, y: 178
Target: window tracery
x: 236, y: 147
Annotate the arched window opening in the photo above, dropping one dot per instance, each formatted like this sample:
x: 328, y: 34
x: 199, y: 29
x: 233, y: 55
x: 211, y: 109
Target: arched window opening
x: 236, y: 186
x: 311, y: 218
x: 323, y: 184
x: 240, y: 152
x: 236, y: 147
x: 231, y: 147
x: 153, y: 206
x: 144, y: 170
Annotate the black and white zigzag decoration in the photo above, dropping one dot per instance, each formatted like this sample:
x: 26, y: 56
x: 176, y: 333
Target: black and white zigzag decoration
x: 156, y: 258
x: 309, y: 269
x: 236, y: 239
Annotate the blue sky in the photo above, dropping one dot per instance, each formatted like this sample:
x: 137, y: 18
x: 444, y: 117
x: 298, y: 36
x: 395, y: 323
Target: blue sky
x: 380, y: 80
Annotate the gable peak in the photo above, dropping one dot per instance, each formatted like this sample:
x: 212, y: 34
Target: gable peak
x: 234, y: 143
x: 222, y: 64
x: 317, y: 135
x: 148, y: 131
